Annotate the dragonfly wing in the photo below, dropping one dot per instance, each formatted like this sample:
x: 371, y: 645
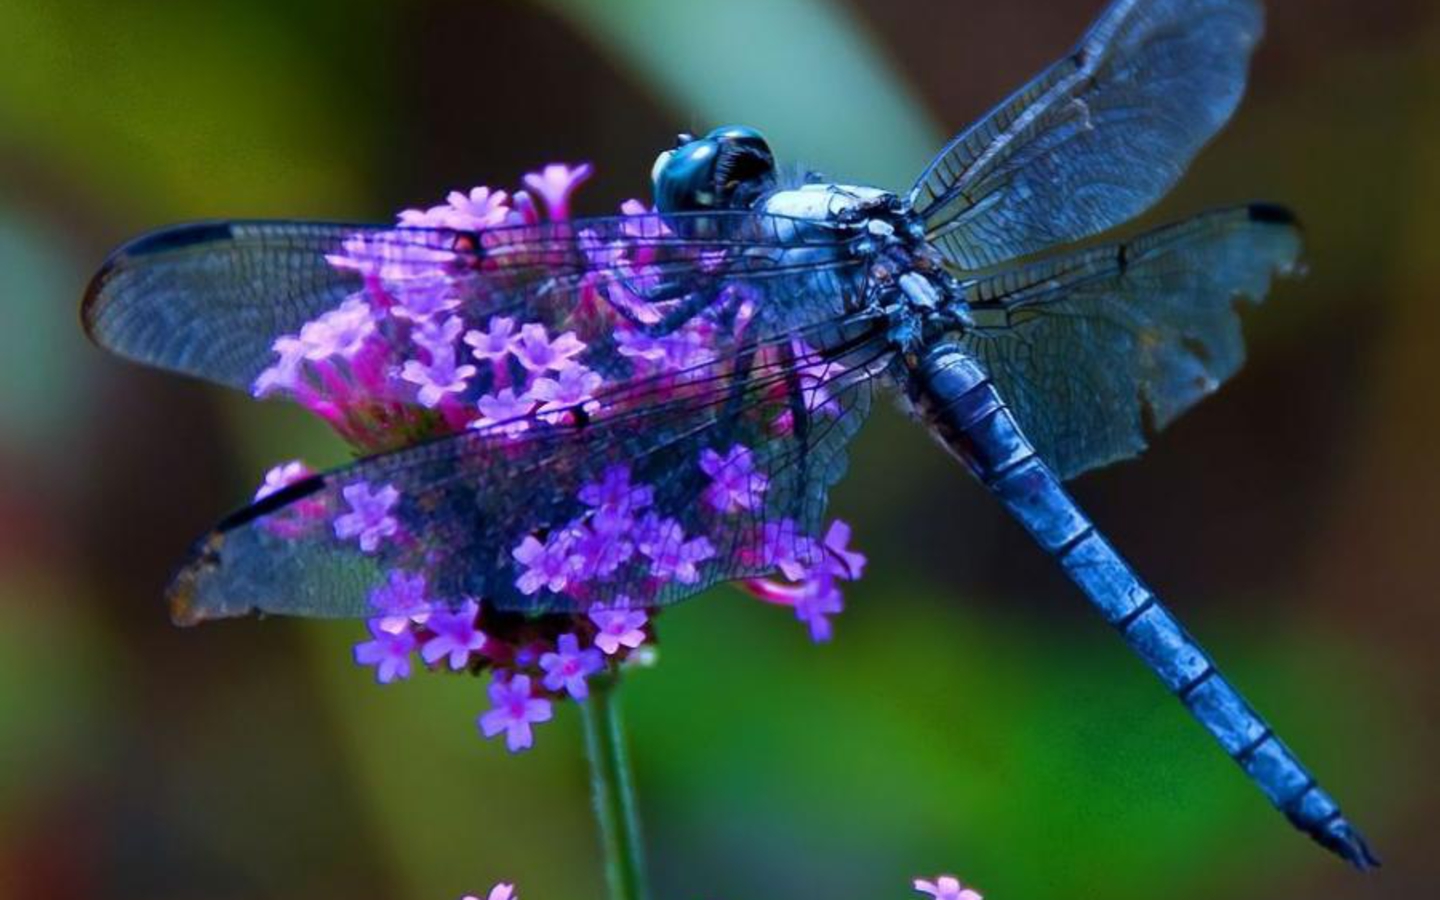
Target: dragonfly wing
x: 668, y: 485
x: 1093, y: 349
x: 1095, y: 139
x: 210, y: 299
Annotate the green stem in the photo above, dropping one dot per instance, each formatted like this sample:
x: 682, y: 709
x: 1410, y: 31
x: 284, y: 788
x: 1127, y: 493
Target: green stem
x: 614, y: 791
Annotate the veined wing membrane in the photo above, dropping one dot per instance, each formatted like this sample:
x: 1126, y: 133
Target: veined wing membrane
x: 620, y: 508
x: 210, y: 299
x: 1097, y: 138
x: 1091, y: 348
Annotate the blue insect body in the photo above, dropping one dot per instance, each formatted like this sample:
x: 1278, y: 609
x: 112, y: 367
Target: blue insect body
x: 714, y: 357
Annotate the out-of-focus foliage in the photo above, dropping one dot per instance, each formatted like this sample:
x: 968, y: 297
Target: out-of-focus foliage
x: 970, y: 716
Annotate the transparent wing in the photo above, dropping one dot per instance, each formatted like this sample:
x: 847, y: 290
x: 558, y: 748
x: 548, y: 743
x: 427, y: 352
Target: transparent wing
x: 1095, y: 139
x: 211, y: 299
x: 1095, y: 348
x: 671, y: 482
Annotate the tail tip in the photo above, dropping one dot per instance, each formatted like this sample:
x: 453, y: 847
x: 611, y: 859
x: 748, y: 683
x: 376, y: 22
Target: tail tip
x: 1343, y: 839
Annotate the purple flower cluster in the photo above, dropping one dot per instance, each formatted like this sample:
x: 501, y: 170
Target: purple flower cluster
x: 423, y: 349
x: 612, y: 540
x: 813, y: 570
x: 400, y: 357
x: 531, y: 668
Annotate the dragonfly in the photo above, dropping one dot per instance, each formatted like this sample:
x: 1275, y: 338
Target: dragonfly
x: 744, y: 324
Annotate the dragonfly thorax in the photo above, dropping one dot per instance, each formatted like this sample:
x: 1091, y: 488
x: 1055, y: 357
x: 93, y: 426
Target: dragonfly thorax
x: 831, y: 204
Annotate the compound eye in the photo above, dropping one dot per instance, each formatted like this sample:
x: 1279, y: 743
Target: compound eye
x: 685, y: 177
x: 661, y: 162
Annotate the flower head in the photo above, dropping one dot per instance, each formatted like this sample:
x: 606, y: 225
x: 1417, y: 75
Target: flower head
x: 735, y: 484
x: 501, y: 891
x: 946, y: 887
x: 615, y: 499
x: 401, y: 596
x: 672, y: 555
x: 283, y: 476
x: 555, y: 183
x: 479, y: 209
x: 551, y: 565
x: 438, y: 378
x: 619, y: 628
x: 574, y: 388
x: 388, y: 651
x: 454, y: 635
x: 369, y: 519
x: 340, y: 332
x: 513, y: 710
x: 422, y: 299
x: 538, y: 353
x: 495, y: 342
x: 506, y: 409
x: 568, y: 666
x: 436, y: 337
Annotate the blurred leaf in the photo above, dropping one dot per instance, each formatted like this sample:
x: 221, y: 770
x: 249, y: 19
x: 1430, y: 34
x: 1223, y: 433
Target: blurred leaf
x: 214, y: 108
x: 805, y: 72
x: 38, y: 386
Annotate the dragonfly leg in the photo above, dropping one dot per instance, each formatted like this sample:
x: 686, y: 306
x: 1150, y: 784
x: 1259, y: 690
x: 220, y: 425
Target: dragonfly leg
x: 966, y: 413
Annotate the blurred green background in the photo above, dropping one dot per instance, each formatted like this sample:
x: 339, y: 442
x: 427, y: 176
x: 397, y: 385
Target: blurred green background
x: 971, y: 716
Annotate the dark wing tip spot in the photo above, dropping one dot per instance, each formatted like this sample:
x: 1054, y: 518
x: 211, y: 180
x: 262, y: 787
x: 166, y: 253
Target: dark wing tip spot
x: 175, y: 237
x: 181, y: 594
x: 270, y: 503
x: 172, y: 237
x: 1272, y: 213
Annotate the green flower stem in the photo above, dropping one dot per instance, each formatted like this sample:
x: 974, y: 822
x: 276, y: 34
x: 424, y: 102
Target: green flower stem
x: 614, y: 791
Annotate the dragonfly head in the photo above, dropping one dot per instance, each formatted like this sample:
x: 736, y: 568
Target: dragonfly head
x: 726, y: 169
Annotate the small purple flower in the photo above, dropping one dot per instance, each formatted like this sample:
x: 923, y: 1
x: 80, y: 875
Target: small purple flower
x: 370, y: 518
x: 686, y: 348
x: 396, y: 263
x: 840, y: 560
x: 505, y: 409
x: 619, y: 627
x: 455, y: 636
x: 817, y: 599
x: 437, y: 337
x: 401, y: 598
x: 439, y: 378
x: 814, y: 598
x: 671, y: 555
x: 817, y: 376
x: 644, y: 222
x: 551, y: 565
x: 946, y: 887
x: 639, y: 345
x: 788, y: 549
x: 573, y: 388
x: 423, y: 299
x: 736, y: 484
x: 388, y: 651
x: 340, y: 332
x: 501, y: 891
x: 283, y: 476
x: 615, y: 500
x: 513, y: 711
x: 481, y: 208
x: 538, y: 353
x: 555, y: 183
x: 569, y: 666
x: 812, y: 569
x: 601, y: 551
x: 495, y: 343
x: 285, y: 373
